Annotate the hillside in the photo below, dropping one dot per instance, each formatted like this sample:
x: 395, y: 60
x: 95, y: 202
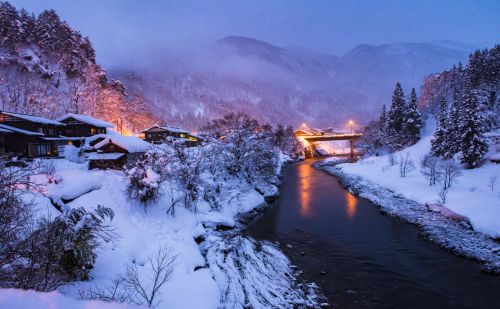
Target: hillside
x: 49, y: 69
x: 291, y: 85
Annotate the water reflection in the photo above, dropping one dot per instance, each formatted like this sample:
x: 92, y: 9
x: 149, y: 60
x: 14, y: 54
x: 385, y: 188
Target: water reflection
x: 304, y: 189
x: 352, y: 203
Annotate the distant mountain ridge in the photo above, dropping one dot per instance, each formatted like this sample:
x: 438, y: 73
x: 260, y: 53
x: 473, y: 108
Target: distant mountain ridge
x: 291, y: 85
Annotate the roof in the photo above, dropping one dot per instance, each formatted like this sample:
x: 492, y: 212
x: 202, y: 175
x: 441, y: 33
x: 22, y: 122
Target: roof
x: 129, y: 143
x: 2, y: 130
x: 17, y: 130
x: 104, y: 156
x: 88, y: 119
x: 61, y: 138
x: 34, y: 118
x: 167, y: 128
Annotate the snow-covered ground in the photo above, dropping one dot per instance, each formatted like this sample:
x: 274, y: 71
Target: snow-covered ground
x: 200, y: 276
x: 471, y: 196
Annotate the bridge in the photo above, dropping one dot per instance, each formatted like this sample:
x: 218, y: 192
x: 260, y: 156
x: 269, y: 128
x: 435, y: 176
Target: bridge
x: 313, y: 135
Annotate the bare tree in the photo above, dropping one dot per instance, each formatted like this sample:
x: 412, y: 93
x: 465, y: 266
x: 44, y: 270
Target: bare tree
x: 406, y: 165
x: 429, y: 168
x: 112, y: 292
x: 443, y: 193
x: 392, y: 159
x: 492, y: 181
x: 162, y: 266
x: 450, y: 170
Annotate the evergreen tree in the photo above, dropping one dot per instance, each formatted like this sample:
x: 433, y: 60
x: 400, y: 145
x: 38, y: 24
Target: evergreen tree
x: 454, y: 131
x: 48, y: 31
x: 9, y: 30
x: 439, y: 145
x: 473, y: 144
x: 396, y: 119
x: 27, y: 24
x: 413, y: 119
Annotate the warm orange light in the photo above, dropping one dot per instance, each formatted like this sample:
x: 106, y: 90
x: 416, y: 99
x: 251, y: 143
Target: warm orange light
x: 352, y: 203
x: 304, y: 125
x: 351, y: 122
x: 305, y: 186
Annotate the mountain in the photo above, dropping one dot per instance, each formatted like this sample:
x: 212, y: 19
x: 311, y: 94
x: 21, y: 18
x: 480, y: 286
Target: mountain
x: 277, y: 84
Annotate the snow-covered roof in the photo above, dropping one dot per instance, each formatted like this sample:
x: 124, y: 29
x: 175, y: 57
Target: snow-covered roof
x: 34, y: 118
x: 129, y: 143
x: 87, y: 119
x: 17, y: 130
x: 2, y: 130
x: 167, y: 128
x: 104, y: 156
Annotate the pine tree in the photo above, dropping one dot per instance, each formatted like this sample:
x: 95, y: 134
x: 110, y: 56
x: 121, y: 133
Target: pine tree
x: 439, y: 145
x: 382, y: 139
x: 413, y: 119
x: 473, y: 145
x: 454, y: 130
x: 396, y: 119
x: 27, y: 23
x: 9, y: 30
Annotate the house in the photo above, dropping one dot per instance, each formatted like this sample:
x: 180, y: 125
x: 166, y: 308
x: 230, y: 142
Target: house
x: 114, y: 151
x: 83, y: 126
x: 159, y: 134
x: 28, y: 135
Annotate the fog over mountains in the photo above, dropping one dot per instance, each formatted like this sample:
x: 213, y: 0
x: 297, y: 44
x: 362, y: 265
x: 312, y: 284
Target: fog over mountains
x: 281, y: 84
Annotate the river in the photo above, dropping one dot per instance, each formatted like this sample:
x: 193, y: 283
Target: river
x: 361, y: 258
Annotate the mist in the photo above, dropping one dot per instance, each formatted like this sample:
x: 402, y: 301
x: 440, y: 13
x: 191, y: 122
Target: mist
x: 124, y: 32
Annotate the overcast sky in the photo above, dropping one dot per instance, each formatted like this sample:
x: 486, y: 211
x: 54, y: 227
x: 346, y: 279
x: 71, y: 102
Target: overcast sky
x: 125, y: 29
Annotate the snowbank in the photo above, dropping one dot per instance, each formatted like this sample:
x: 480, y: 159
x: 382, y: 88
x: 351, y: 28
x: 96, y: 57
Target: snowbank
x: 22, y: 299
x: 470, y: 196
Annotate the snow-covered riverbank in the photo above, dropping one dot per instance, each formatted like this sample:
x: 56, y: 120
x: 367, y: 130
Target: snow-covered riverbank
x: 214, y: 265
x: 405, y: 199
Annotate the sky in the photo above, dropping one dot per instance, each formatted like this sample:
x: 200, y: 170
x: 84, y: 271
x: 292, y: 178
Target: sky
x: 122, y: 30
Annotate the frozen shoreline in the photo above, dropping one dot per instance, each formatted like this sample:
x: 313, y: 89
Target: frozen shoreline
x: 456, y: 236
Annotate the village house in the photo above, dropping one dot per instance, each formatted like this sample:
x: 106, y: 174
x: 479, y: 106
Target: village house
x: 28, y: 135
x: 160, y: 134
x: 114, y: 151
x: 77, y: 125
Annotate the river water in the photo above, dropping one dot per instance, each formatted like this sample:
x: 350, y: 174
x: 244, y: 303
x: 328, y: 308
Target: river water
x: 361, y: 258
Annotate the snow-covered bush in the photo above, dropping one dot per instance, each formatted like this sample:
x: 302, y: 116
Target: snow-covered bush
x: 143, y: 181
x: 248, y: 150
x: 42, y: 253
x: 74, y: 154
x: 61, y: 250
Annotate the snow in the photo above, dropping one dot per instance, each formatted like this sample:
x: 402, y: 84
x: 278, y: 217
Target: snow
x: 130, y: 143
x: 141, y: 233
x: 35, y: 119
x: 167, y: 128
x: 87, y: 119
x: 12, y: 129
x: 27, y: 299
x: 104, y: 156
x: 470, y: 196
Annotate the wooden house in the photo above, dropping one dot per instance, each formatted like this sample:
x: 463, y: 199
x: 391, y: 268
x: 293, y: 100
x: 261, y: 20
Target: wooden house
x: 77, y: 125
x: 30, y: 136
x: 160, y: 134
x: 114, y: 151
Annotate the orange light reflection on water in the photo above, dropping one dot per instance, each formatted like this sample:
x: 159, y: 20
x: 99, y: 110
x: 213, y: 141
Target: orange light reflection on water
x: 305, y: 186
x: 352, y: 204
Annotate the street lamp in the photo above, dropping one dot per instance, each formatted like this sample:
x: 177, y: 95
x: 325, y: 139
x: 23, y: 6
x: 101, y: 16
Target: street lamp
x: 351, y: 125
